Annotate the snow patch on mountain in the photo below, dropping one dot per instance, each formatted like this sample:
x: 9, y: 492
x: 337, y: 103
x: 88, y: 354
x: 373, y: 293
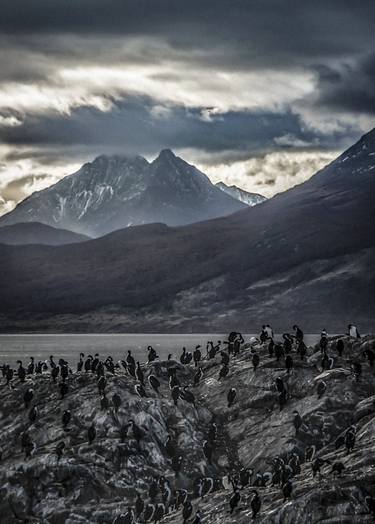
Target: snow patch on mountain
x: 250, y: 199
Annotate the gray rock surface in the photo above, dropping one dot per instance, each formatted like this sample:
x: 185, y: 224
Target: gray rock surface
x: 95, y: 483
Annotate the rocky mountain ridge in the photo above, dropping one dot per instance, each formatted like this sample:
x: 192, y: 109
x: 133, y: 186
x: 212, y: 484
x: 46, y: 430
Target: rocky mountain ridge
x: 114, y: 192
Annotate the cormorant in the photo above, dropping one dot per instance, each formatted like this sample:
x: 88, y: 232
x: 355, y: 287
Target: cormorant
x: 59, y: 450
x: 175, y: 394
x: 187, y: 511
x: 91, y: 434
x: 80, y: 362
x: 116, y: 401
x: 197, y: 355
x: 139, y: 506
x: 207, y: 451
x: 255, y: 361
x: 297, y: 421
x: 187, y: 395
x: 255, y: 504
x: 337, y: 468
x: 234, y: 500
x: 28, y: 396
x: 287, y: 490
x: 154, y: 383
x: 288, y: 363
x: 232, y: 393
x: 66, y: 417
x: 140, y: 390
x: 223, y: 371
x: 321, y: 388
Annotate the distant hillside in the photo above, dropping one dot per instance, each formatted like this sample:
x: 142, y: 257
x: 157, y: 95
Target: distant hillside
x: 306, y: 255
x: 251, y: 199
x: 36, y: 233
x: 114, y: 192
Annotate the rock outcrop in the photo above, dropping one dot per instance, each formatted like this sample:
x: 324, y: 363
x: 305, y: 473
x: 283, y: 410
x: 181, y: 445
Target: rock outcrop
x: 96, y: 482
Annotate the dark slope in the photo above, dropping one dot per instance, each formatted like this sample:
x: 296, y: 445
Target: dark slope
x: 305, y: 254
x: 36, y: 233
x: 115, y: 192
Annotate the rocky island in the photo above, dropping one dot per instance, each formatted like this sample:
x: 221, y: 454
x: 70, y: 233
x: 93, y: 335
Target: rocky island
x: 276, y: 432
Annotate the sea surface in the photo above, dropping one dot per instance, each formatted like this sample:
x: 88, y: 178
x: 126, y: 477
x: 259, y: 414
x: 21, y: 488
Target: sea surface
x: 14, y: 347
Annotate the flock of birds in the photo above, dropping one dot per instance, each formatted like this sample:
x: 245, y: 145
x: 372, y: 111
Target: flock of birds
x: 161, y: 497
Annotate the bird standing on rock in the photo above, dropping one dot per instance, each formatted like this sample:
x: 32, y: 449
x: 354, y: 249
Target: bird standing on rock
x: 234, y: 500
x: 289, y: 363
x: 297, y: 421
x: 149, y: 512
x: 154, y: 383
x: 255, y: 361
x: 177, y: 464
x: 59, y: 450
x: 337, y: 468
x: 223, y: 371
x: 66, y: 416
x: 151, y: 354
x: 207, y: 450
x: 170, y: 447
x: 283, y: 397
x: 64, y: 388
x: 197, y: 518
x: 21, y: 372
x: 140, y: 390
x: 255, y: 503
x: 287, y: 490
x: 80, y: 362
x: 370, y: 503
x: 187, y: 511
x: 175, y: 394
x: 232, y: 394
x: 33, y: 414
x: 28, y: 396
x: 187, y: 395
x: 91, y: 434
x: 139, y: 374
x: 350, y: 439
x: 321, y: 388
x: 116, y: 401
x: 139, y: 506
x: 197, y: 355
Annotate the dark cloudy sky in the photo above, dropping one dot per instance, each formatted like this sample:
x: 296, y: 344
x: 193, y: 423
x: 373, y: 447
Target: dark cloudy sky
x: 257, y: 92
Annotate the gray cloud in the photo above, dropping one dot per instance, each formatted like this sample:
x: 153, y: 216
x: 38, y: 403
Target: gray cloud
x: 348, y: 86
x: 223, y: 81
x: 141, y: 124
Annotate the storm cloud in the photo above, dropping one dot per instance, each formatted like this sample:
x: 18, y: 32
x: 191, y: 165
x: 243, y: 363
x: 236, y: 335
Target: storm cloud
x: 276, y: 86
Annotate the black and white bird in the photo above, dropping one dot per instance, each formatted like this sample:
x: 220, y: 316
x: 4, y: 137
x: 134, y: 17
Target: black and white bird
x: 154, y: 383
x: 234, y: 500
x: 321, y: 388
x: 232, y: 394
x: 140, y: 390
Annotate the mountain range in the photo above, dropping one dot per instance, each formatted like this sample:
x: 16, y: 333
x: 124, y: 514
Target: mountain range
x: 114, y: 192
x: 250, y: 199
x: 306, y: 256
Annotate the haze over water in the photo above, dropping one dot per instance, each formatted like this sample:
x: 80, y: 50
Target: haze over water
x: 68, y: 346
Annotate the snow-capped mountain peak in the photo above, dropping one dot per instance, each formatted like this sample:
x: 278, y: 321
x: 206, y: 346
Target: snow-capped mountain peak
x: 250, y: 199
x: 113, y: 192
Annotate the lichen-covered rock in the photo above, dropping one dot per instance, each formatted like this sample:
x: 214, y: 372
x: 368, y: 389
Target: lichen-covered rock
x: 95, y: 481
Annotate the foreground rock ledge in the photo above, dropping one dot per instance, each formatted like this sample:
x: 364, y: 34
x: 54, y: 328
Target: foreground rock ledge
x: 94, y: 483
